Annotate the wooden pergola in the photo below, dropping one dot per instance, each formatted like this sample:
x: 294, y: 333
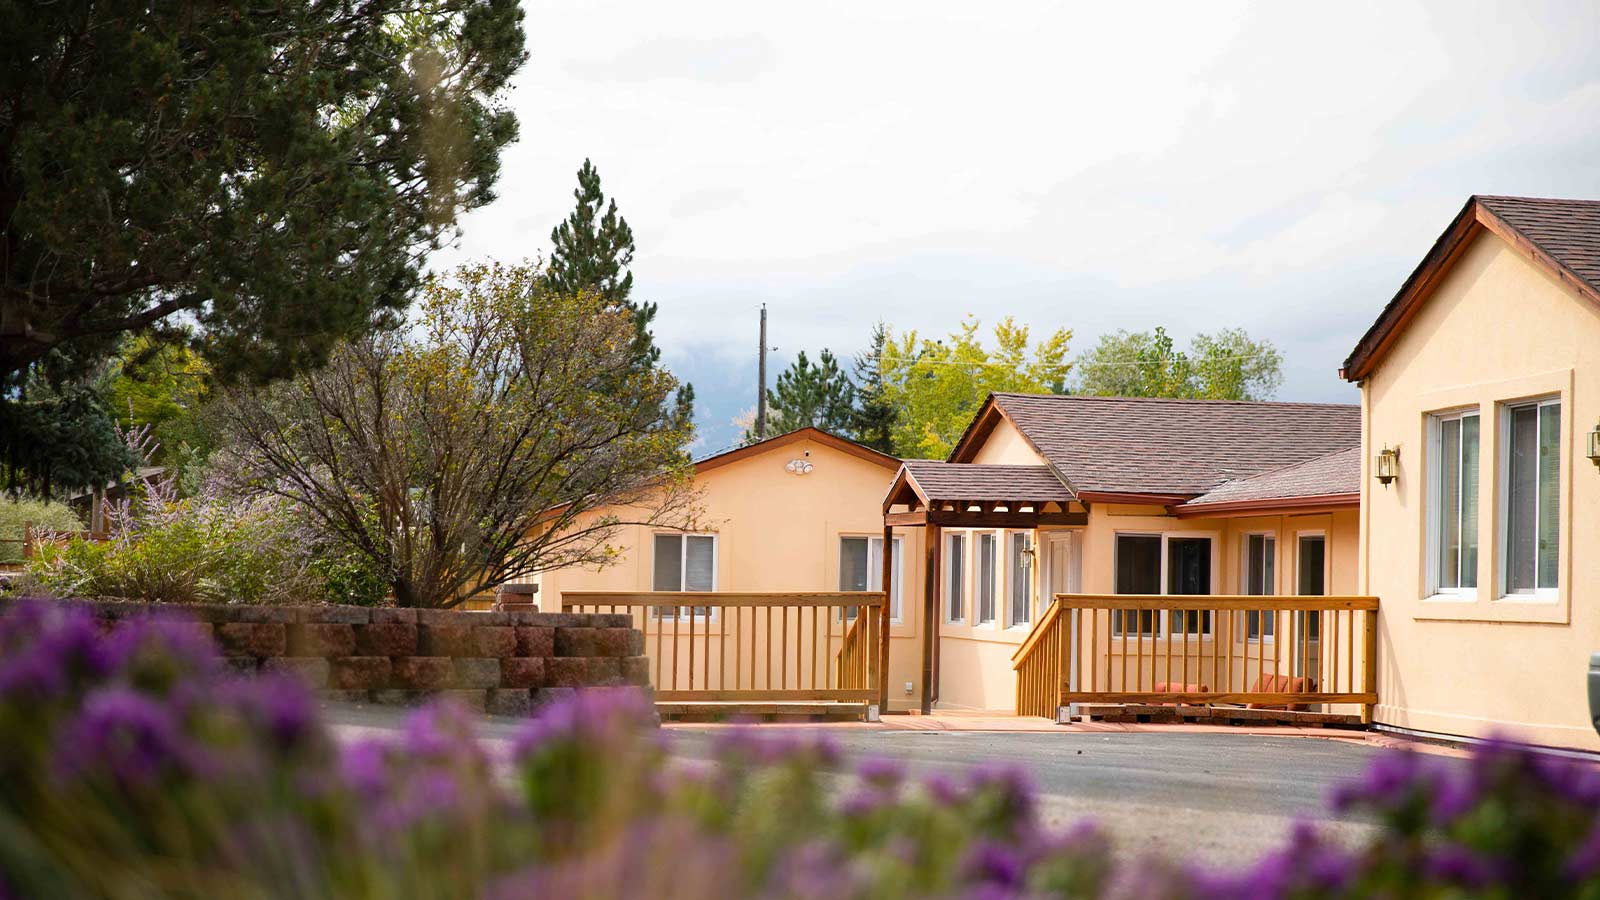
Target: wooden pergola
x: 937, y: 495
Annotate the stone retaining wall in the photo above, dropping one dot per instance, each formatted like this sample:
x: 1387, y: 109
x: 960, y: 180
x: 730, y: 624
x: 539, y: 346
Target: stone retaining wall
x: 504, y: 663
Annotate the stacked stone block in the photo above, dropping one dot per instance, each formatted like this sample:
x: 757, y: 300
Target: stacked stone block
x: 506, y: 663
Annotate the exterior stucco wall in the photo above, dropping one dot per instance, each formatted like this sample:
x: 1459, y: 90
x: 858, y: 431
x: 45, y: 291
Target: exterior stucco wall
x: 775, y: 532
x: 1005, y: 445
x: 975, y: 659
x: 1497, y: 328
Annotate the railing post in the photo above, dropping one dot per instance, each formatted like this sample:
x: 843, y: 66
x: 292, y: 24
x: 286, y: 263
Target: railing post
x: 1370, y: 664
x: 883, y: 618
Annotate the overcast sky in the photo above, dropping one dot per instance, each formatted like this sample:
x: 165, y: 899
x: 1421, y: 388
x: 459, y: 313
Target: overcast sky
x: 1279, y: 167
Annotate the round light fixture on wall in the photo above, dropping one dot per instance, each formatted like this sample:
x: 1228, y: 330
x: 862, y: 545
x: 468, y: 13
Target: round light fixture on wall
x: 799, y: 467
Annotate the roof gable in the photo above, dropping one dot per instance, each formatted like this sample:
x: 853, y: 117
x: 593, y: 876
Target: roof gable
x: 843, y: 445
x: 1561, y: 236
x: 1165, y: 447
x: 1336, y: 476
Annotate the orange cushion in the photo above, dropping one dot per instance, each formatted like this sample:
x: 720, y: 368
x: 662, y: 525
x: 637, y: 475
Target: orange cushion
x: 1281, y: 684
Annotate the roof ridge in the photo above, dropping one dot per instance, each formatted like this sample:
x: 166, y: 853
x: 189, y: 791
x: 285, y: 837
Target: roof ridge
x: 1256, y: 403
x: 1534, y: 199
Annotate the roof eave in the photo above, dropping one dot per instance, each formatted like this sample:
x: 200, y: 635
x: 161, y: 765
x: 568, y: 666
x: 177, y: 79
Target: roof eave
x: 1262, y: 506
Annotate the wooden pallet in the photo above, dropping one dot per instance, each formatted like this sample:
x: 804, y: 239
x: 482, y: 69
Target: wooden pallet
x: 1215, y: 715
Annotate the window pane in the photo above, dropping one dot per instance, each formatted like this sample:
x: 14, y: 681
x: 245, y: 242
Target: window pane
x: 1469, y: 501
x: 1313, y: 550
x: 894, y: 581
x: 668, y: 568
x: 1021, y: 588
x: 1522, y: 484
x: 854, y: 564
x: 1549, y: 493
x: 1261, y: 562
x: 986, y: 555
x: 699, y: 572
x: 1189, y: 573
x: 1138, y: 572
x: 956, y: 605
x: 1448, y: 505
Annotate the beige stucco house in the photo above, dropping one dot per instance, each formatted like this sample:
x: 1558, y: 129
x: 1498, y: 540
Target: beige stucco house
x: 1046, y: 495
x: 1482, y: 376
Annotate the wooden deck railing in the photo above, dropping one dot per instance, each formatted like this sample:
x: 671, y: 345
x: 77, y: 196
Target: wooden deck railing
x: 717, y: 646
x: 1283, y: 652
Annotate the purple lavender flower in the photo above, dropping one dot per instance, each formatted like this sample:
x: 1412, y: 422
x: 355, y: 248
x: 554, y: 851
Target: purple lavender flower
x: 156, y: 651
x: 1584, y: 863
x: 130, y: 736
x: 277, y: 706
x: 989, y: 862
x: 364, y: 766
x: 881, y: 772
x: 1458, y: 865
x: 49, y: 650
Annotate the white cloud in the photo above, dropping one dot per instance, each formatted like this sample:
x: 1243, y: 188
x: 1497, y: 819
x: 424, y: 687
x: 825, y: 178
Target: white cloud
x: 1278, y: 167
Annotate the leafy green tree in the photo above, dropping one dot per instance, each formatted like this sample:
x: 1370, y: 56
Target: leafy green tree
x: 59, y: 440
x: 873, y: 419
x: 1226, y: 366
x: 937, y: 386
x: 811, y: 395
x: 273, y: 174
x: 512, y: 432
x: 592, y: 250
x: 165, y: 386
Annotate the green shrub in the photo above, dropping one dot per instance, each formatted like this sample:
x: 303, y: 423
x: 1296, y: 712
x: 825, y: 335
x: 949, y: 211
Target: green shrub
x: 15, y: 515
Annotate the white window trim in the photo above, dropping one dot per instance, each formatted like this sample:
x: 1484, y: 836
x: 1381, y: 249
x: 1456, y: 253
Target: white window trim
x: 996, y: 582
x: 947, y: 565
x: 1432, y: 493
x: 897, y: 576
x: 1503, y: 502
x: 683, y: 571
x: 1005, y: 595
x: 1161, y: 624
x: 1244, y: 581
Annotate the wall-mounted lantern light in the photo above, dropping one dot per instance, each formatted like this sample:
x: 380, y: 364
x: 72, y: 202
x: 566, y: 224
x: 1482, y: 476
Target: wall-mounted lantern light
x: 1025, y: 557
x: 798, y: 467
x: 1594, y: 445
x: 1386, y: 465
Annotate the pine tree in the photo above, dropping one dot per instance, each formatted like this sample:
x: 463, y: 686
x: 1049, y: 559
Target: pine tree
x: 873, y: 418
x: 592, y: 250
x: 808, y: 395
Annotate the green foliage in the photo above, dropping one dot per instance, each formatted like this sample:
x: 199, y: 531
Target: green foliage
x: 194, y: 550
x: 1228, y: 365
x: 937, y: 386
x: 272, y: 173
x: 164, y: 386
x: 60, y: 440
x: 810, y: 395
x: 17, y: 514
x: 475, y: 448
x: 873, y: 419
x: 591, y: 251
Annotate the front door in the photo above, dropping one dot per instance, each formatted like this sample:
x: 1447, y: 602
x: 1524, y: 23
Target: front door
x: 1059, y: 575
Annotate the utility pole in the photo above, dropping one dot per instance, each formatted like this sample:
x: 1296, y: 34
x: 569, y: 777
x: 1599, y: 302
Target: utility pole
x: 761, y: 393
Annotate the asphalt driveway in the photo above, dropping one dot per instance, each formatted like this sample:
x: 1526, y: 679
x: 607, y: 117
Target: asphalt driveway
x: 1216, y: 796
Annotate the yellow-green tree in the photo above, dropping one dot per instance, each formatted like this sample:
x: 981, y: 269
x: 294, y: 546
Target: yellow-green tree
x: 937, y: 385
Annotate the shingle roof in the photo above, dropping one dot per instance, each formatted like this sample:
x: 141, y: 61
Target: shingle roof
x: 1161, y: 446
x: 1334, y: 474
x: 969, y: 481
x: 1568, y: 230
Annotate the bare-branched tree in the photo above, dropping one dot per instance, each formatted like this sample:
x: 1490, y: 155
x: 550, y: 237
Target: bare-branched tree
x: 508, y: 434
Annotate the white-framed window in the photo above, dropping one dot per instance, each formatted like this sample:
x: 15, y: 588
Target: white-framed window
x: 861, y: 569
x: 1530, y: 511
x: 955, y: 578
x: 1454, y: 449
x: 1311, y: 580
x: 987, y: 574
x: 684, y: 562
x: 1021, y: 564
x: 1258, y: 577
x: 1144, y: 563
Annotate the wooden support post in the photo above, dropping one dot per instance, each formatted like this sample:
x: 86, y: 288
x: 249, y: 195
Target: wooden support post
x: 1370, y: 663
x: 930, y: 615
x: 883, y: 618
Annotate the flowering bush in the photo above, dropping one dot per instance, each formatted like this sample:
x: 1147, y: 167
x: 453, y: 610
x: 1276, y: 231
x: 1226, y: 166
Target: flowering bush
x: 208, y: 548
x: 134, y: 766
